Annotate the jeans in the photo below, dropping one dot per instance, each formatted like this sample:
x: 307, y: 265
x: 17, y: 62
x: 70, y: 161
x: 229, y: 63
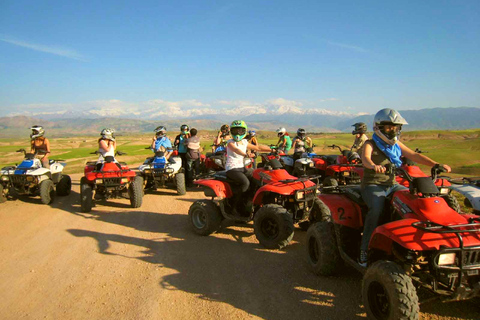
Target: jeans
x: 193, y: 166
x: 374, y: 196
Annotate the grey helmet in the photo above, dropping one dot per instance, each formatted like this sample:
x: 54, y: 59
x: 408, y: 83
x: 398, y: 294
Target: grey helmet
x: 388, y: 117
x: 160, y: 131
x: 108, y: 133
x: 360, y: 128
x: 281, y: 131
x: 37, y: 131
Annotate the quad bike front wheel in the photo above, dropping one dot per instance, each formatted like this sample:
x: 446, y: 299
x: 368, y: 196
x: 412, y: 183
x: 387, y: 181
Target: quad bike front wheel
x: 86, y: 196
x: 64, y: 186
x: 135, y: 191
x: 47, y: 191
x: 452, y: 202
x: 322, y: 252
x: 330, y: 182
x: 205, y: 217
x: 388, y: 293
x: 180, y: 183
x: 273, y: 226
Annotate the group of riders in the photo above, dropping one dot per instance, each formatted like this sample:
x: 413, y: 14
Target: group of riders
x: 383, y: 149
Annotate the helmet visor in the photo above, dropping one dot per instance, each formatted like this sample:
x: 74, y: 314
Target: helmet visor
x: 238, y: 131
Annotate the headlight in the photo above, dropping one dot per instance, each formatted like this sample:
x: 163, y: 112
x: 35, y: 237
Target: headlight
x: 4, y: 178
x: 446, y: 258
x: 30, y: 178
x: 147, y: 171
x: 346, y: 174
x: 124, y: 180
x: 98, y: 181
x: 169, y: 170
x: 300, y: 195
x: 310, y: 164
x: 443, y: 190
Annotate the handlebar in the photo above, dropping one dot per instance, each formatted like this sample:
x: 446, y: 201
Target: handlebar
x: 333, y: 146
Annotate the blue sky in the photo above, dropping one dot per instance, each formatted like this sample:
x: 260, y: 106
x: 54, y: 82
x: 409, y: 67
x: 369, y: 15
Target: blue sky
x: 349, y: 56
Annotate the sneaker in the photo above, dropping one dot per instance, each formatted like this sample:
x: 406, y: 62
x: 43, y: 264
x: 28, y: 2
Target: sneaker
x: 362, y: 260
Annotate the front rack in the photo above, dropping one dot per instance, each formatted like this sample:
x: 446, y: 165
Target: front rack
x: 469, y: 257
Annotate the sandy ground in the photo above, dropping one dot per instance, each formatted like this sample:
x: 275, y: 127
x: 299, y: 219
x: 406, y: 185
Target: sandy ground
x: 122, y: 263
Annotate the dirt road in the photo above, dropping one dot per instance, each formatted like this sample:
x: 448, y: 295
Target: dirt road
x: 123, y: 263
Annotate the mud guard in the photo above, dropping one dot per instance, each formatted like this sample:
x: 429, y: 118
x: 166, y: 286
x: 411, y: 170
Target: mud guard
x: 284, y: 189
x: 344, y: 211
x: 409, y: 237
x: 220, y: 188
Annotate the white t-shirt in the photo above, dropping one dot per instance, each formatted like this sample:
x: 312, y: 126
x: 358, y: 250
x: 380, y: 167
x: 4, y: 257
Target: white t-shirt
x: 104, y: 153
x: 235, y: 160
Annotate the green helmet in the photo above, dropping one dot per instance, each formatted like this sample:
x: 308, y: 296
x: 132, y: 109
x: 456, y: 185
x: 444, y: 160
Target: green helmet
x: 238, y: 130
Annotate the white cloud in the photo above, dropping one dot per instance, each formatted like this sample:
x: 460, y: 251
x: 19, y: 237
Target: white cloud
x: 56, y: 50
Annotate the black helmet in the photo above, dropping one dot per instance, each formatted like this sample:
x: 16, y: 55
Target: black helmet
x: 360, y: 128
x: 225, y: 129
x: 301, y: 133
x: 184, y: 128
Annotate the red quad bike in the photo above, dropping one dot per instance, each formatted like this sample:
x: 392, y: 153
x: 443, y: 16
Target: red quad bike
x: 443, y: 184
x: 275, y: 201
x: 109, y: 179
x: 341, y: 169
x: 422, y: 242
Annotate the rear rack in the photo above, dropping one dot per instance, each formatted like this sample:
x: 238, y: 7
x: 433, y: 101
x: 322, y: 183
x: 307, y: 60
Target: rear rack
x: 469, y: 257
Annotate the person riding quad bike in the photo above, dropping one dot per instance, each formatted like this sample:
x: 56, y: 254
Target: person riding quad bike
x: 221, y: 139
x: 360, y: 137
x: 235, y: 166
x: 160, y: 142
x: 252, y: 139
x: 301, y: 143
x: 179, y: 143
x: 284, y: 140
x: 40, y: 146
x: 384, y: 149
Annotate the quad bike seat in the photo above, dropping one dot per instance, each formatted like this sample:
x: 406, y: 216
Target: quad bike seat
x: 354, y: 193
x: 331, y: 159
x: 222, y: 176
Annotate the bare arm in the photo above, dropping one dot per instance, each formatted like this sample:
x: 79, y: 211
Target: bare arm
x: 367, y: 159
x: 258, y: 147
x: 419, y: 158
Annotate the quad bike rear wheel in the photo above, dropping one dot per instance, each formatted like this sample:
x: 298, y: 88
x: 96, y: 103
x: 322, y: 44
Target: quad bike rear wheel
x: 86, y: 196
x: 388, y: 292
x: 3, y: 196
x: 273, y: 226
x: 205, y: 217
x: 180, y: 183
x: 64, y: 186
x: 135, y: 191
x: 47, y: 191
x: 322, y: 252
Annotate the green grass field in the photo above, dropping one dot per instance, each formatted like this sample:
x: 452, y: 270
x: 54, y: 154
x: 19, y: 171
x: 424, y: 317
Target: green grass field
x: 459, y: 149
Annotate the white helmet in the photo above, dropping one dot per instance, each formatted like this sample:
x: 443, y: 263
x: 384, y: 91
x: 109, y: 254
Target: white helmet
x: 388, y: 117
x: 281, y: 131
x: 161, y: 131
x: 108, y: 133
x: 37, y: 131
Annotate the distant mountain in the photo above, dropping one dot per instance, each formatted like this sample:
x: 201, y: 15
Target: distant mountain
x: 313, y: 120
x: 427, y: 119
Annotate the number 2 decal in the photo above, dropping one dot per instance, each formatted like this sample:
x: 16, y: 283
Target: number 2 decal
x: 341, y: 212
